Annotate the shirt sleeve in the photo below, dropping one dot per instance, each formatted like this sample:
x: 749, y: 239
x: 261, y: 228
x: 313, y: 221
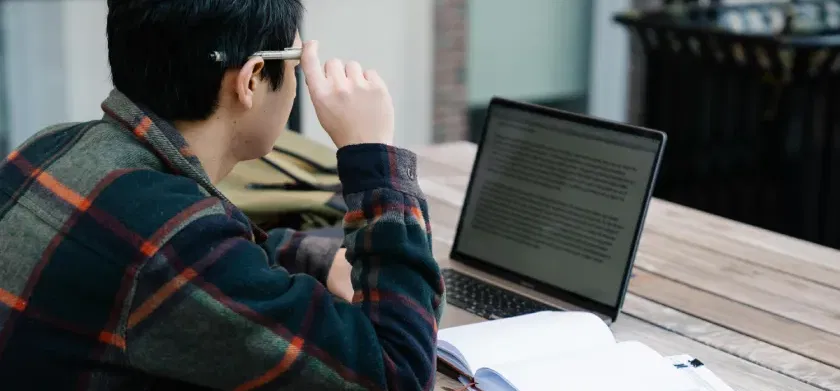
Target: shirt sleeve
x: 211, y: 310
x: 302, y: 252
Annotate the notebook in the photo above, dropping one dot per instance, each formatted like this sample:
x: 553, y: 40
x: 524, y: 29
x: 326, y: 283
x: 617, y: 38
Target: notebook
x: 563, y: 350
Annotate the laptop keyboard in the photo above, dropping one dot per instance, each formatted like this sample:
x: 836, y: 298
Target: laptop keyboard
x: 486, y: 300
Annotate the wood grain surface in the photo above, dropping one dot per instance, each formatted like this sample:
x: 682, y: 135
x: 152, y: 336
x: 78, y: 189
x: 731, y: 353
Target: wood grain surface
x: 762, y: 310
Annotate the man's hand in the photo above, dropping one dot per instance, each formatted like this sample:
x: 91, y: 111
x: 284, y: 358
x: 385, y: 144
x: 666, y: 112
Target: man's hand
x: 338, y: 280
x: 353, y: 105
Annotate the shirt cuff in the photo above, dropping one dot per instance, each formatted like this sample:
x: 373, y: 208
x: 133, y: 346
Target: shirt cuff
x: 363, y: 167
x: 316, y: 255
x: 303, y: 252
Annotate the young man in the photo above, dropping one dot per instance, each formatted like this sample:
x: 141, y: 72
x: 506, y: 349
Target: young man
x: 122, y: 267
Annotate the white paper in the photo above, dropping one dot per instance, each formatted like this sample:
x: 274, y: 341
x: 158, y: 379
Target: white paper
x: 702, y: 378
x: 626, y: 366
x: 550, y: 333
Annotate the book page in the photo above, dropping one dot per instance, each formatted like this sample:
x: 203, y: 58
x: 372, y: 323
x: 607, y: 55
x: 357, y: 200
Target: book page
x: 548, y: 333
x: 626, y: 366
x: 702, y: 378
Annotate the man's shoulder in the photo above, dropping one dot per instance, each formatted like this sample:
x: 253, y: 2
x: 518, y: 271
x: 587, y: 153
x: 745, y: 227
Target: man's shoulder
x: 152, y: 205
x: 126, y: 214
x: 78, y: 152
x: 95, y: 185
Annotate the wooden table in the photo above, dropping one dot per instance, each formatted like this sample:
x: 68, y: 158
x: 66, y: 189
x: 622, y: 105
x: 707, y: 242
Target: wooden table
x: 761, y: 309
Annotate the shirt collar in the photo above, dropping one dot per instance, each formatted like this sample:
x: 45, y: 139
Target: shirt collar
x: 163, y: 139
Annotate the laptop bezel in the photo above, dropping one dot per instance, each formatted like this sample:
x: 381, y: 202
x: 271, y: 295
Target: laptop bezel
x: 559, y: 293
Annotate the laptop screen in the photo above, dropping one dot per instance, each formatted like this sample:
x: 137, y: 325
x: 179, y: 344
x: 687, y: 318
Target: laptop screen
x: 558, y: 201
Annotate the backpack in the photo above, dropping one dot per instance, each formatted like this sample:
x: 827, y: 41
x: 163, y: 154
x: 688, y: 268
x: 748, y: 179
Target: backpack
x: 294, y: 186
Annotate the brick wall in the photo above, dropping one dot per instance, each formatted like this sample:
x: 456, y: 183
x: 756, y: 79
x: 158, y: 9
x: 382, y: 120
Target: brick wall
x: 450, y: 59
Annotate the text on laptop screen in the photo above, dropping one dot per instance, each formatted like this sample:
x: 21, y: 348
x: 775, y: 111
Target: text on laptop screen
x: 557, y: 201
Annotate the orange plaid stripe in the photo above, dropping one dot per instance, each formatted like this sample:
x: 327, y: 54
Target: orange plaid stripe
x: 12, y: 301
x: 152, y: 303
x: 354, y: 216
x: 70, y: 196
x: 359, y: 296
x: 292, y: 353
x: 112, y: 339
x: 184, y: 277
x: 152, y: 246
x: 186, y: 151
x: 65, y: 193
x: 149, y: 248
x: 12, y: 155
x: 143, y: 127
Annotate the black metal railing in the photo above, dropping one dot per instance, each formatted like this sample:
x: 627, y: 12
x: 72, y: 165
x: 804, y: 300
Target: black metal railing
x: 748, y: 95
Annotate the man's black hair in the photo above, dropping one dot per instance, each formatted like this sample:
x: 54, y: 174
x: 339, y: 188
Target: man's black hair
x: 159, y: 50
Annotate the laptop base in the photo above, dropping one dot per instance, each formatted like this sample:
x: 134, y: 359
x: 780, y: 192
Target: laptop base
x: 486, y: 300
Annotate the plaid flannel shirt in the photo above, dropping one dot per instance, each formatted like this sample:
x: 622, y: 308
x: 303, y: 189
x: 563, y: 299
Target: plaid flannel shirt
x: 122, y: 267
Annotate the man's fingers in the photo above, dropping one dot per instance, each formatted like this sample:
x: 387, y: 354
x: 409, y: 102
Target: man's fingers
x: 373, y: 77
x: 311, y: 65
x: 334, y: 69
x: 354, y: 72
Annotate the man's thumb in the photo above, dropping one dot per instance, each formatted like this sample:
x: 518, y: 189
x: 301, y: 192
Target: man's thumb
x: 313, y: 72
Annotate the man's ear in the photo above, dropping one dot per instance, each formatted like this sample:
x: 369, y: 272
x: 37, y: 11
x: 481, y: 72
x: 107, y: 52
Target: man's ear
x: 247, y: 79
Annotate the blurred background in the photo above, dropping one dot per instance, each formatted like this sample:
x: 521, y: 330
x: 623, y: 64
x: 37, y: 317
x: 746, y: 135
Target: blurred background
x: 436, y: 55
x: 744, y: 88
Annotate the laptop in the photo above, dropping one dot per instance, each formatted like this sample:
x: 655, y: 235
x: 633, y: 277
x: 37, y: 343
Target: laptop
x: 552, y: 215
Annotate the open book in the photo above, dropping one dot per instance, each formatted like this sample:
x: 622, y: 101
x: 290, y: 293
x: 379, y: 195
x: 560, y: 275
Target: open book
x: 562, y: 350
